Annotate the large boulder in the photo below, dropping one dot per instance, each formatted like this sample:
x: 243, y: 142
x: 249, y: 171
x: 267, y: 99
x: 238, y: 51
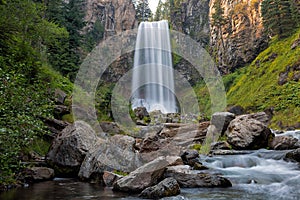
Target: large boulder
x: 284, y: 142
x: 221, y: 120
x: 263, y: 117
x: 186, y: 134
x: 293, y: 155
x: 245, y: 132
x: 69, y: 148
x: 115, y: 153
x: 146, y: 175
x: 166, y: 188
x: 189, y: 179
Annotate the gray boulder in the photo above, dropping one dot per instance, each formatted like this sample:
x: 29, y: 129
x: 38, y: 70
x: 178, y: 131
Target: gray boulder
x: 284, y: 142
x: 166, y: 188
x: 146, y: 175
x: 221, y: 120
x: 245, y: 132
x: 189, y: 179
x: 115, y: 153
x: 293, y: 155
x: 263, y: 117
x: 69, y: 148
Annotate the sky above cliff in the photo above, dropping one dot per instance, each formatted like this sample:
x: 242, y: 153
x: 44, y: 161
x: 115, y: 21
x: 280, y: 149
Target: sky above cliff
x: 153, y: 4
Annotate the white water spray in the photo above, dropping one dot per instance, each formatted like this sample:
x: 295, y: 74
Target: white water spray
x: 153, y: 76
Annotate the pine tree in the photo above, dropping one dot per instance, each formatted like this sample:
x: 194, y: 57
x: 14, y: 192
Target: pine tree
x: 65, y: 55
x: 279, y: 17
x: 162, y: 11
x: 219, y: 19
x: 143, y: 11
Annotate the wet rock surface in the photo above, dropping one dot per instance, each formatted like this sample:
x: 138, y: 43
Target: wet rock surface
x: 293, y: 155
x: 147, y: 175
x: 190, y: 179
x: 284, y: 142
x: 167, y: 187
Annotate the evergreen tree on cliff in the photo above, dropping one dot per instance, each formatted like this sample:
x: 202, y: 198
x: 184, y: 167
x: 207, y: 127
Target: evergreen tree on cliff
x: 280, y: 17
x: 65, y: 56
x: 218, y: 21
x: 143, y: 11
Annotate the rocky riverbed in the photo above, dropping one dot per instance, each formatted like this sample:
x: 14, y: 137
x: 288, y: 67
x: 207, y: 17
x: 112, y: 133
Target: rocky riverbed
x: 158, y: 160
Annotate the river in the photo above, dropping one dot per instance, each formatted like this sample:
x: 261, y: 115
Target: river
x: 257, y: 175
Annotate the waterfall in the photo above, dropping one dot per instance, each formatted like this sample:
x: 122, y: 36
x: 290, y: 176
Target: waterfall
x: 153, y: 76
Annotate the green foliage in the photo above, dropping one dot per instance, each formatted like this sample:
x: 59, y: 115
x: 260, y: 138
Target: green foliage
x: 68, y: 118
x: 218, y: 21
x: 94, y: 36
x: 231, y: 79
x: 280, y: 17
x: 218, y: 18
x: 39, y: 146
x: 120, y: 173
x: 22, y: 106
x: 205, y: 148
x: 26, y: 82
x: 103, y: 101
x: 162, y: 11
x: 65, y: 54
x: 54, y: 79
x: 256, y: 87
x: 197, y: 147
x: 203, y: 97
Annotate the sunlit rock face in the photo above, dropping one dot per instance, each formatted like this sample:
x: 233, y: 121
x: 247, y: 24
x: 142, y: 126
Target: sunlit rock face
x: 241, y: 38
x: 115, y: 15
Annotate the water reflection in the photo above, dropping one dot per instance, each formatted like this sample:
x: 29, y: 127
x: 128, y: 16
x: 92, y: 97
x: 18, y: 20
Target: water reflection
x: 62, y: 189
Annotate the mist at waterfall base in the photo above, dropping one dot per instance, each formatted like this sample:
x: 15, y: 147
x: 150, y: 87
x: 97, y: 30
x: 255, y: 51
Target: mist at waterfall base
x: 153, y: 76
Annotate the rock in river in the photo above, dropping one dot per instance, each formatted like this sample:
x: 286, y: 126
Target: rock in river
x: 69, y: 148
x: 284, y: 142
x: 166, y: 188
x: 293, y: 155
x: 146, y: 175
x: 245, y: 132
x: 189, y: 179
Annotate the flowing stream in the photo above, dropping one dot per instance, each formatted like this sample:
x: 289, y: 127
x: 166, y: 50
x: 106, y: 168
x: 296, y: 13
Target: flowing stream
x: 257, y: 175
x: 153, y: 76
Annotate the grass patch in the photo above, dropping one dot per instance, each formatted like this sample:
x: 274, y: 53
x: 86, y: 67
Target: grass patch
x: 256, y: 87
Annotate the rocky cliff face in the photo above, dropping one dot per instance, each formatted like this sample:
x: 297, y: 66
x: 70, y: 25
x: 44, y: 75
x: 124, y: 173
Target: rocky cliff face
x: 242, y: 36
x: 193, y: 19
x: 115, y: 15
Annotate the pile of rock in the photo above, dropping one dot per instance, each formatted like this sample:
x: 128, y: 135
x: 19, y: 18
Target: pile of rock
x: 158, y: 160
x: 164, y: 176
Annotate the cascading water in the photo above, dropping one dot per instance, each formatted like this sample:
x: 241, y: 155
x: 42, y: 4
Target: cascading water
x: 153, y: 76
